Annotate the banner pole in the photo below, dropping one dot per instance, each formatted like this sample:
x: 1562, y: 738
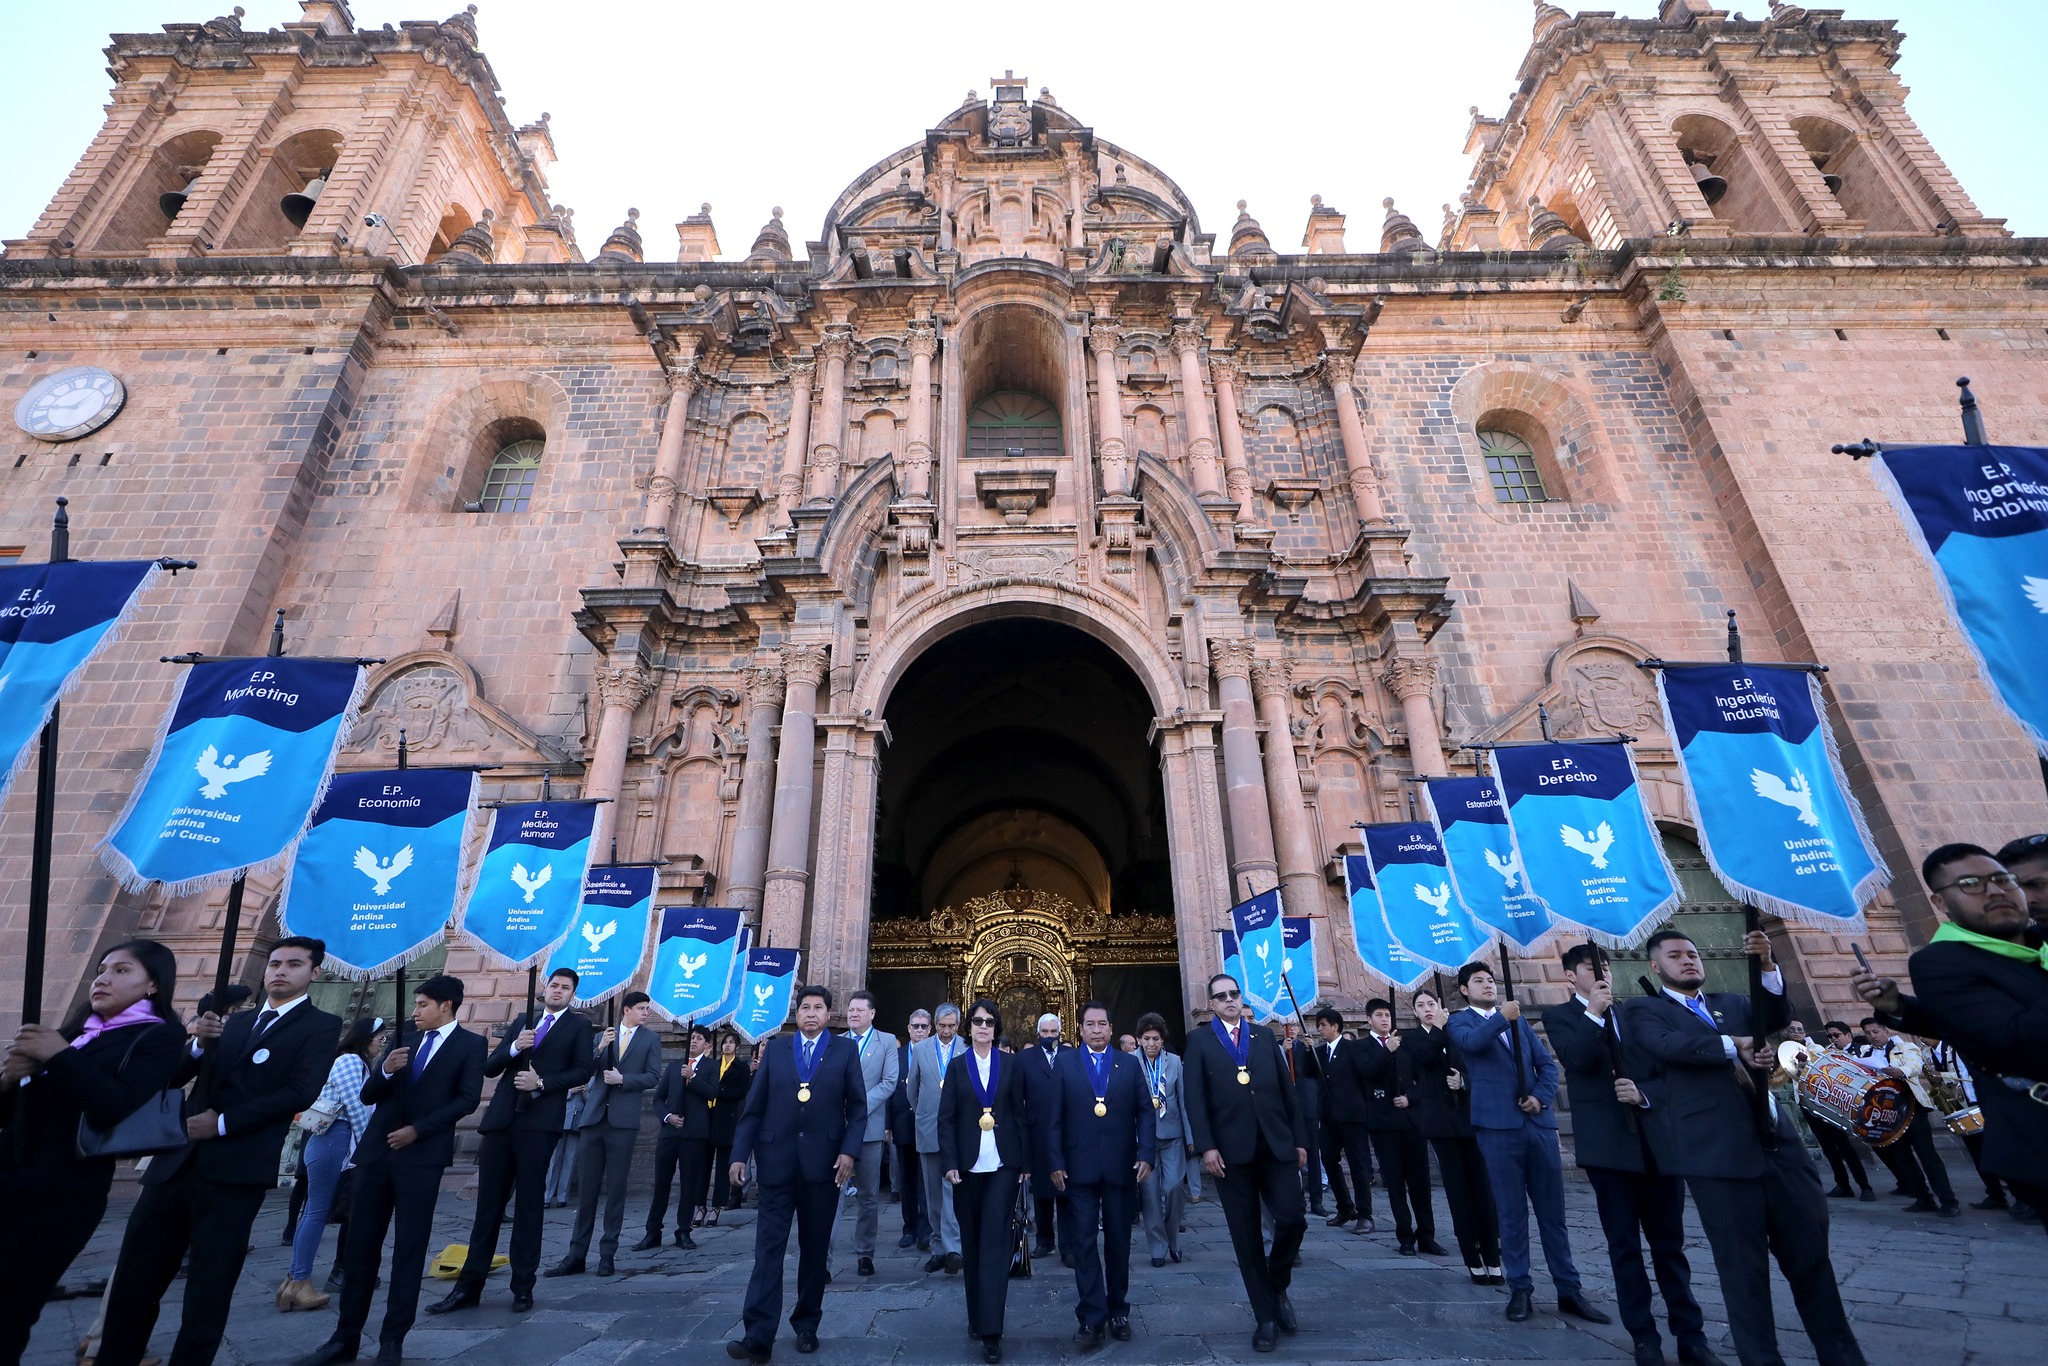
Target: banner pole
x: 231, y: 923
x: 1751, y: 923
x: 1507, y: 982
x: 398, y: 1008
x: 43, y: 852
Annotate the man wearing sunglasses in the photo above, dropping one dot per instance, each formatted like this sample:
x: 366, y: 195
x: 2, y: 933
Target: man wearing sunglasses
x: 1982, y: 985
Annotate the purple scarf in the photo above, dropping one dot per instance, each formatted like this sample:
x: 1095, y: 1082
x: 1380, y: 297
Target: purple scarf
x: 139, y: 1013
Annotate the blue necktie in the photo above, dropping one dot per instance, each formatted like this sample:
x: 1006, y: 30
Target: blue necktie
x: 419, y: 1059
x: 810, y: 1048
x: 1699, y: 1008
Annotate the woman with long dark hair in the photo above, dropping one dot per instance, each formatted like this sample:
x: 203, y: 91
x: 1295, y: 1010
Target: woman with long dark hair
x: 1432, y: 1076
x: 105, y: 1064
x: 341, y: 1111
x: 985, y: 1149
x: 735, y: 1079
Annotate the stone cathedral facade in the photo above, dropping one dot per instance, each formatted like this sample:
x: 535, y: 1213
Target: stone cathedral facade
x: 987, y: 592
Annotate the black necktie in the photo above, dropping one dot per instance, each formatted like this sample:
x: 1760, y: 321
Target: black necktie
x: 264, y: 1022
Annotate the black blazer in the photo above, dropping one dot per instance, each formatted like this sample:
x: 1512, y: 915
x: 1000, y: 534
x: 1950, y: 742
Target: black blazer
x: 1994, y: 1010
x: 792, y: 1140
x: 256, y: 1099
x: 960, y: 1116
x: 732, y: 1098
x: 678, y: 1093
x: 1424, y: 1065
x: 1701, y: 1120
x: 89, y: 1082
x: 1235, y: 1119
x: 1605, y: 1133
x: 449, y: 1089
x: 902, y: 1124
x: 1308, y: 1077
x: 1038, y: 1080
x: 1378, y: 1070
x: 1344, y: 1087
x: 1093, y: 1148
x: 563, y: 1061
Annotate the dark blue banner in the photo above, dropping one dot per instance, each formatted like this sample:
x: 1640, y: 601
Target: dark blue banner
x: 1262, y: 950
x: 694, y: 960
x: 1479, y: 854
x: 767, y: 991
x: 1421, y: 911
x: 609, y: 937
x: 529, y: 884
x: 1377, y: 948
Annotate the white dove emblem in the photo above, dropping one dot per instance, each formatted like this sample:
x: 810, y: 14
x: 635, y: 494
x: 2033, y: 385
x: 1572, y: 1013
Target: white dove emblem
x: 530, y: 883
x: 219, y: 772
x: 1798, y: 796
x: 595, y: 937
x: 1438, y: 898
x: 2037, y: 592
x: 1594, y: 845
x: 382, y: 871
x: 690, y: 966
x: 1264, y: 950
x: 1509, y: 868
x: 763, y: 992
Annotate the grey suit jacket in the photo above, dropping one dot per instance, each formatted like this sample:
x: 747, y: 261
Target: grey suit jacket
x: 1173, y: 1120
x: 878, y: 1070
x: 925, y: 1085
x: 618, y: 1107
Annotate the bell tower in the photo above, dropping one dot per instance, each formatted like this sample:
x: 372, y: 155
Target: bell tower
x: 222, y: 141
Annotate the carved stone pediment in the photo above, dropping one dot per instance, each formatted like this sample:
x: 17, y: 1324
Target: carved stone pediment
x: 436, y: 699
x: 1592, y: 689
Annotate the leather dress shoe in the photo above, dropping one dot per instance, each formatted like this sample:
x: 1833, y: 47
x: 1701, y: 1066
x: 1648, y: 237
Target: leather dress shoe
x: 328, y: 1353
x: 865, y: 1266
x: 906, y: 1242
x: 648, y: 1243
x: 522, y: 1301
x: 1365, y: 1226
x: 1521, y: 1304
x: 685, y: 1241
x: 1924, y: 1205
x: 605, y: 1267
x: 924, y: 1245
x: 1041, y: 1249
x: 936, y: 1262
x: 1949, y: 1211
x: 1120, y: 1328
x: 390, y: 1354
x: 1408, y: 1248
x: 953, y: 1263
x: 1430, y: 1247
x: 806, y: 1341
x: 1283, y: 1311
x: 1988, y: 1202
x: 461, y: 1297
x: 992, y: 1349
x: 1087, y: 1338
x: 1341, y: 1218
x: 1649, y: 1352
x: 739, y: 1349
x: 1158, y: 1261
x: 1173, y: 1253
x: 1265, y: 1337
x: 568, y: 1266
x: 1066, y: 1260
x: 1867, y: 1195
x: 1839, y: 1193
x: 1579, y: 1307
x: 1698, y: 1354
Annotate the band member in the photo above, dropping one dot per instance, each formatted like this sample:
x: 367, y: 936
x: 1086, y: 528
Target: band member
x: 929, y: 1062
x: 1982, y: 985
x: 1163, y: 1195
x: 1344, y: 1133
x: 1247, y: 1125
x: 628, y: 1066
x: 804, y: 1122
x: 1404, y: 1161
x: 682, y: 1144
x: 877, y: 1048
x: 984, y: 1141
x: 1915, y: 1162
x: 1103, y: 1137
x: 1836, y: 1146
x: 1433, y: 1079
x: 1637, y: 1202
x: 1046, y: 1199
x: 1515, y: 1119
x: 1699, y: 1060
x: 255, y: 1071
x: 546, y: 1058
x: 904, y: 1167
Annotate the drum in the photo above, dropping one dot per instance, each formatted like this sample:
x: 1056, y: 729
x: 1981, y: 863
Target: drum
x: 1856, y: 1098
x: 1968, y: 1120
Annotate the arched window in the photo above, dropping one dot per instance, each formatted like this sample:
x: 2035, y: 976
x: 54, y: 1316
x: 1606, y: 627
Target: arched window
x: 508, y: 487
x: 1511, y: 466
x: 1012, y: 423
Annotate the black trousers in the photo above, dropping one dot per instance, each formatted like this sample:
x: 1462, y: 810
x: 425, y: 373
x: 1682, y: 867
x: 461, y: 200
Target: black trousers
x: 1049, y: 1218
x: 401, y: 1199
x: 1404, y: 1164
x: 1993, y: 1188
x: 1926, y: 1157
x: 601, y: 1168
x: 1840, y: 1150
x: 1349, y: 1143
x: 1102, y: 1273
x: 723, y: 1196
x: 689, y: 1158
x: 1469, y: 1193
x: 211, y: 1219
x: 2032, y: 1196
x: 906, y: 1172
x: 983, y: 1203
x: 1639, y: 1207
x: 1277, y: 1182
x: 46, y: 1218
x: 811, y: 1204
x: 511, y: 1166
x: 1312, y: 1174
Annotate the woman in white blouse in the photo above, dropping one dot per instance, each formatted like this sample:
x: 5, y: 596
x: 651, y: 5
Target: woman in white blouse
x: 985, y: 1146
x: 341, y: 1110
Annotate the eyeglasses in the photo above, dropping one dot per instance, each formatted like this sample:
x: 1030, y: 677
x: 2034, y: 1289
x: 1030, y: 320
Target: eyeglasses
x: 1974, y: 886
x: 1223, y: 995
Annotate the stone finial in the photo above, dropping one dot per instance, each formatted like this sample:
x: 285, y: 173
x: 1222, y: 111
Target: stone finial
x: 1548, y: 17
x: 1583, y: 611
x: 462, y: 25
x: 772, y: 243
x: 475, y: 246
x: 1248, y: 239
x: 225, y: 26
x: 1548, y: 233
x: 1324, y: 234
x: 1398, y: 235
x: 624, y: 243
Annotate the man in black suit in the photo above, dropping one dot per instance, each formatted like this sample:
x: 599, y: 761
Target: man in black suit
x: 1048, y: 1206
x: 905, y: 1172
x: 682, y: 1107
x: 1981, y: 987
x: 420, y: 1093
x: 1103, y: 1137
x: 1700, y: 1061
x: 804, y: 1121
x: 254, y: 1071
x: 628, y: 1065
x: 1344, y: 1135
x: 547, y: 1057
x: 1404, y: 1161
x: 1637, y: 1202
x: 1305, y: 1070
x: 1246, y: 1123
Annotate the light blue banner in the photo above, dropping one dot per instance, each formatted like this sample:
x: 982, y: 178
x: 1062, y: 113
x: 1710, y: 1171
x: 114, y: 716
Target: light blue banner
x: 1262, y: 950
x: 1421, y: 910
x: 609, y: 937
x: 694, y: 960
x: 1479, y: 855
x: 723, y: 1011
x: 1378, y: 950
x: 766, y: 993
x: 243, y: 759
x: 1585, y: 840
x: 1301, y: 965
x: 529, y: 885
x: 377, y: 875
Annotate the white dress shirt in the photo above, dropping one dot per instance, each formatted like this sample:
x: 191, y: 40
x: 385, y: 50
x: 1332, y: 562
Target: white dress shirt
x: 987, y: 1160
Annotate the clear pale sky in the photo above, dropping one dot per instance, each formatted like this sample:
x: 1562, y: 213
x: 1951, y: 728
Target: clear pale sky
x: 665, y: 106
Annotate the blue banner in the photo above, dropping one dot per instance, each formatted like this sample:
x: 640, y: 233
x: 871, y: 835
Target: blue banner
x: 1980, y: 516
x: 1301, y: 965
x: 1775, y: 817
x: 723, y: 1011
x: 1585, y: 840
x: 1421, y: 911
x: 694, y: 960
x: 767, y: 991
x: 243, y: 758
x: 1479, y: 855
x: 1262, y: 950
x: 609, y: 937
x: 53, y: 619
x: 1378, y: 950
x: 529, y: 885
x: 377, y: 874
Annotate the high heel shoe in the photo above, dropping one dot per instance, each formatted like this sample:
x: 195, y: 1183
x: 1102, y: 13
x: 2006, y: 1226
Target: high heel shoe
x: 711, y: 1219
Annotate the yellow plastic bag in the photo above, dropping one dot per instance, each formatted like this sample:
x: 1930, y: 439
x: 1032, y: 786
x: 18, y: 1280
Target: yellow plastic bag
x: 448, y: 1265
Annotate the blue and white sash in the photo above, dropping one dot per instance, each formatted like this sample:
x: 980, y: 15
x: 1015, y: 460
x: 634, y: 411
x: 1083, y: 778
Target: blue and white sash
x: 1378, y: 950
x: 1262, y: 950
x: 530, y: 883
x: 1421, y: 911
x: 1479, y: 855
x: 767, y: 991
x: 609, y: 937
x: 694, y: 960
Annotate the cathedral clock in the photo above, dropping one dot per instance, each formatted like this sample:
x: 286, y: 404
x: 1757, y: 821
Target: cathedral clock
x: 70, y: 404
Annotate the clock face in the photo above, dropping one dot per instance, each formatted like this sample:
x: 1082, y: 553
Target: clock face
x: 70, y: 404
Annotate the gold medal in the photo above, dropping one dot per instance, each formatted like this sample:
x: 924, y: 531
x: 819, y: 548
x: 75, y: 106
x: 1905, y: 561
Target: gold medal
x: 988, y: 1121
x: 803, y: 1093
x: 1101, y: 1109
x: 1159, y: 1103
x: 1244, y: 1076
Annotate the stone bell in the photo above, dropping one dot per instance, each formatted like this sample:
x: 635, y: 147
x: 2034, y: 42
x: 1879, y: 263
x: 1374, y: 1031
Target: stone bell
x: 1827, y: 177
x: 171, y: 202
x: 1712, y: 187
x: 298, y: 207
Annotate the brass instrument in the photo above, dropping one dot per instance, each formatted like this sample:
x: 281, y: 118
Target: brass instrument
x: 1951, y: 1101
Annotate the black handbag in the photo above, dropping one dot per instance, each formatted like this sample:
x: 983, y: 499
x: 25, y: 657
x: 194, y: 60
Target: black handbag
x: 1020, y: 1233
x: 157, y: 1126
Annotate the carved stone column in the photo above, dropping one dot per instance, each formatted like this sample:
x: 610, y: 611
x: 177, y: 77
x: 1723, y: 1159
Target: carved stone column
x: 822, y: 485
x: 1244, y: 781
x: 789, y: 838
x: 665, y: 482
x: 923, y: 344
x: 1365, y: 484
x: 1300, y: 870
x: 621, y: 688
x: 943, y: 181
x: 748, y: 875
x: 1237, y: 471
x: 1412, y: 679
x: 1109, y: 411
x: 789, y: 489
x: 1208, y: 476
x: 1076, y: 229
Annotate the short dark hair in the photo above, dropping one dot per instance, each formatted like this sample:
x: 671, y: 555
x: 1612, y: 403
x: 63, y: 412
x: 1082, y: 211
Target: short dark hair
x: 1665, y: 936
x: 1224, y: 977
x: 1330, y: 1015
x: 819, y: 990
x: 1102, y: 1006
x: 2025, y: 849
x: 1945, y: 855
x: 634, y: 998
x: 697, y: 1029
x: 575, y: 979
x: 1379, y: 1003
x: 1872, y: 1020
x: 989, y: 1008
x: 1589, y: 954
x: 1150, y: 1021
x: 316, y: 947
x: 1842, y: 1025
x: 1471, y: 970
x: 441, y: 987
x: 862, y: 995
